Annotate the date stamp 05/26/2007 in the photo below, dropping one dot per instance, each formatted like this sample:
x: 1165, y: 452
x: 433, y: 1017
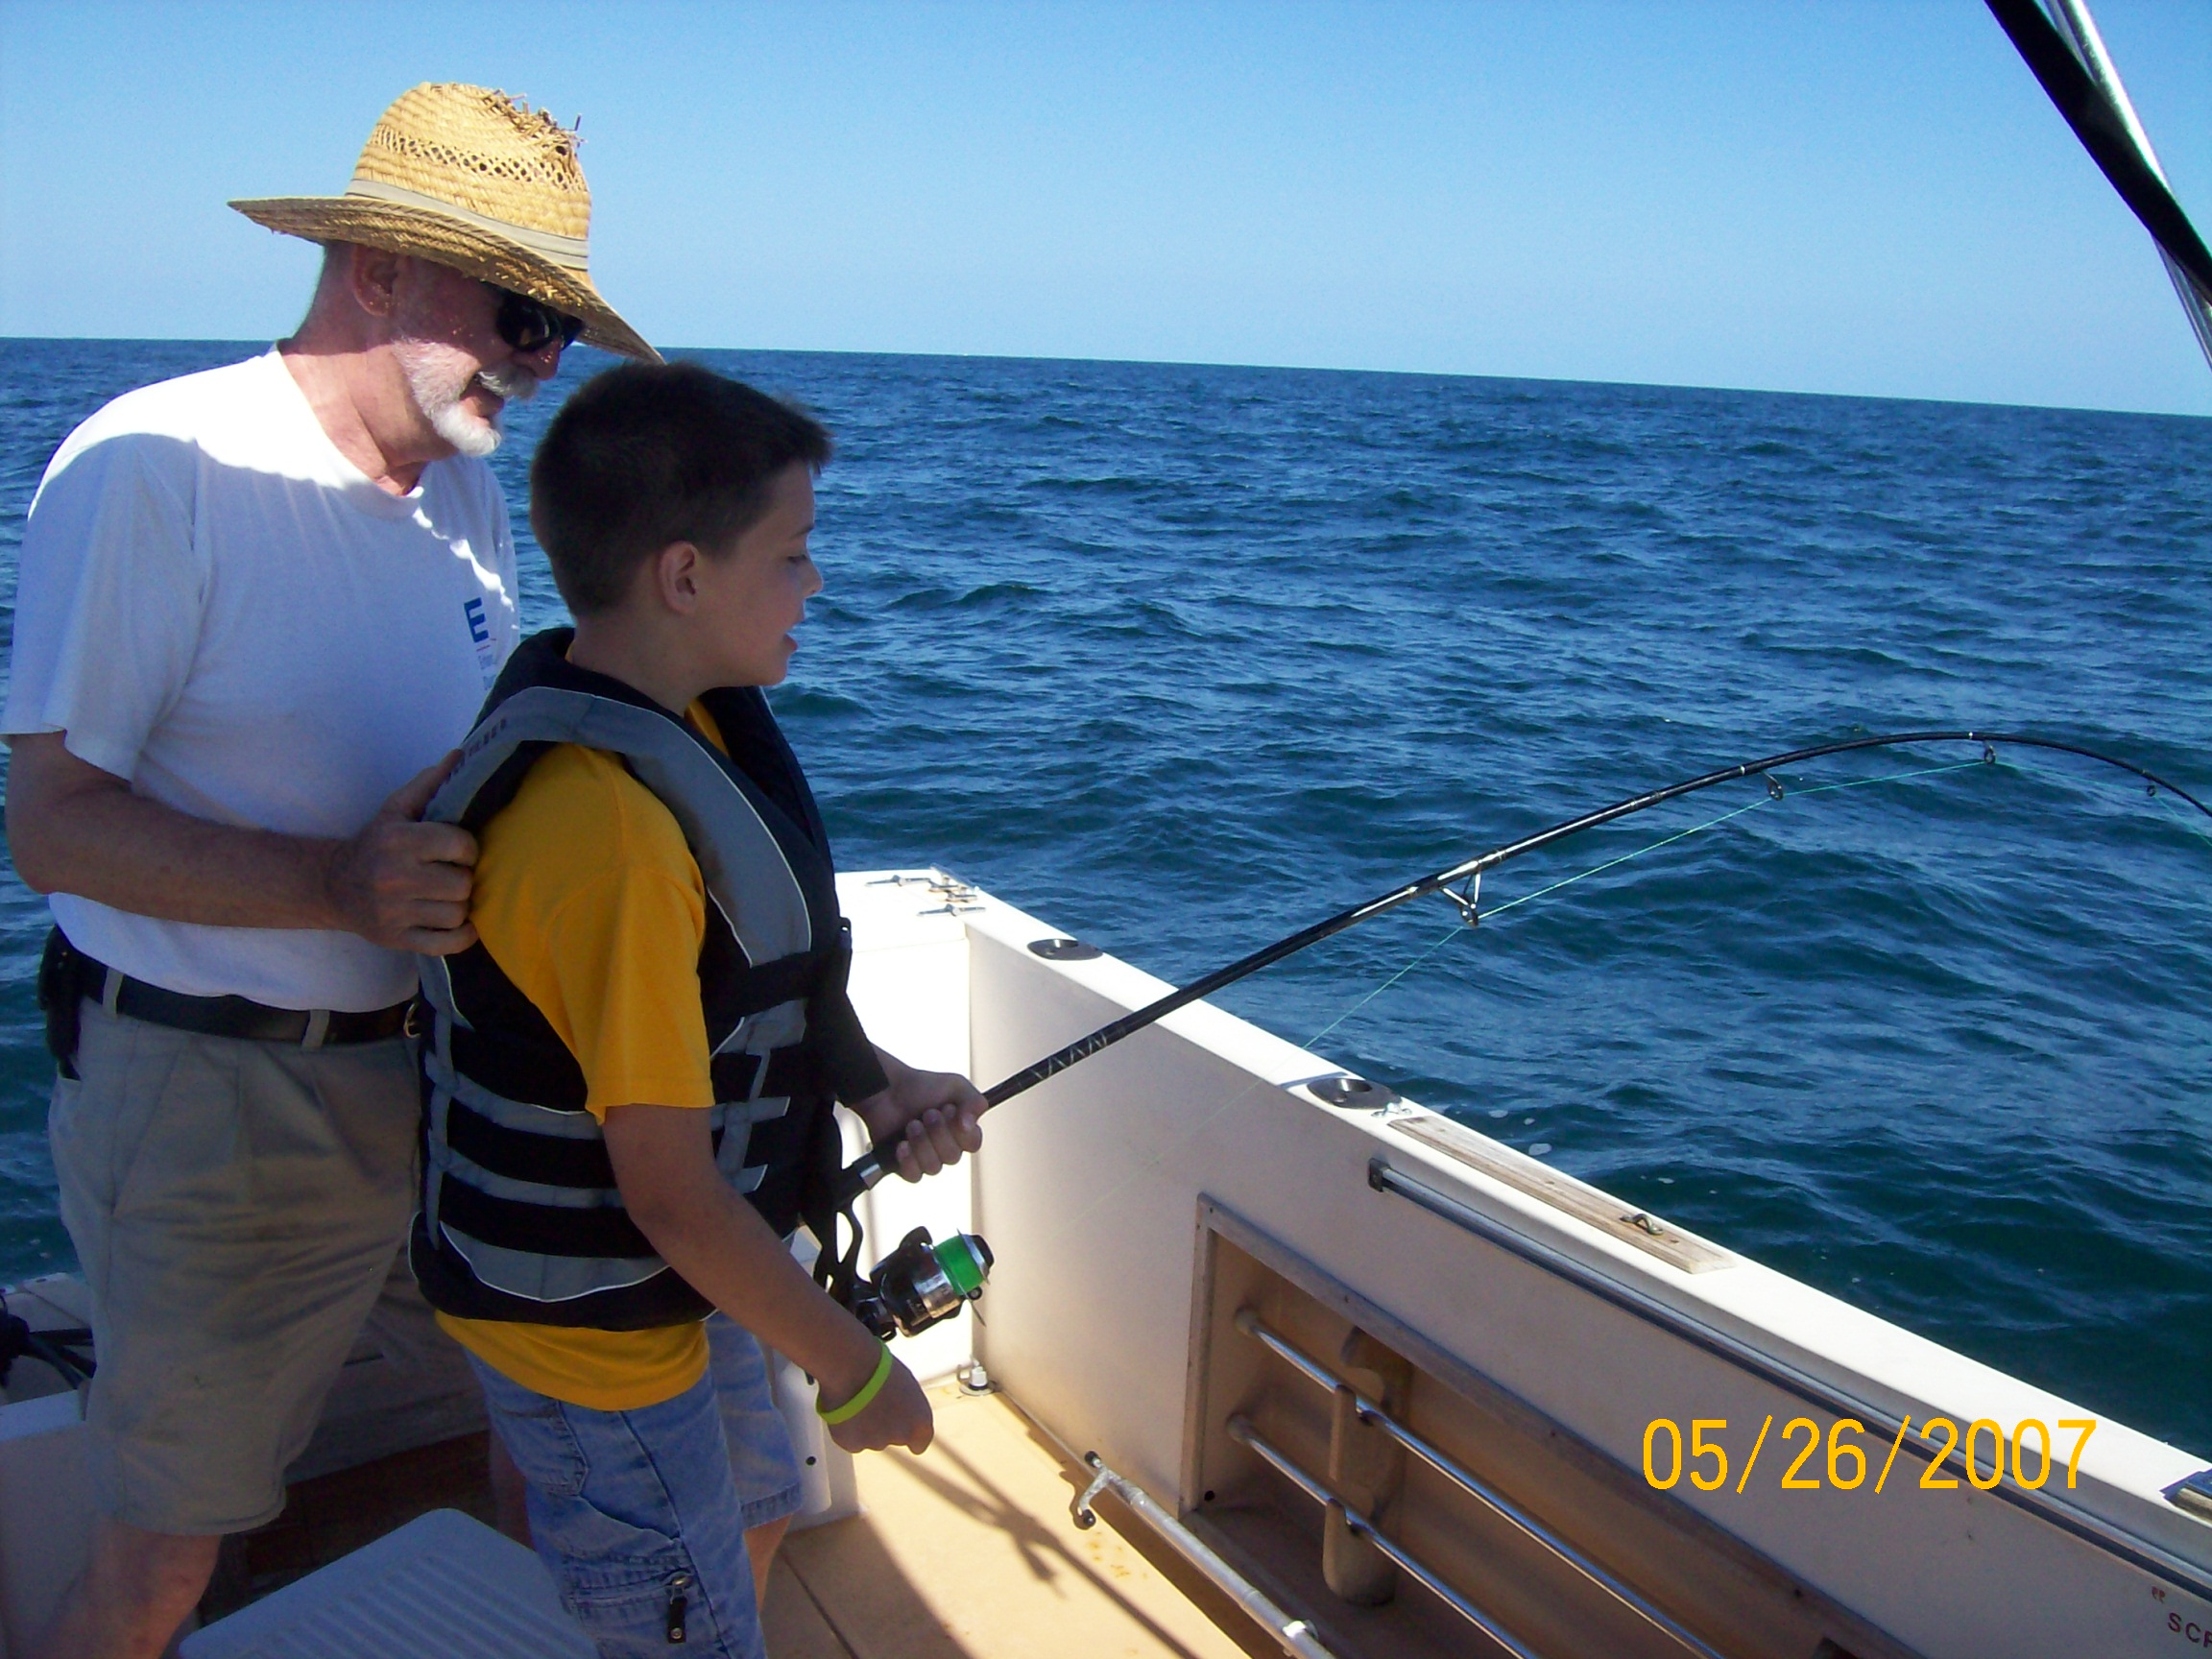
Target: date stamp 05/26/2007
x: 1804, y: 1460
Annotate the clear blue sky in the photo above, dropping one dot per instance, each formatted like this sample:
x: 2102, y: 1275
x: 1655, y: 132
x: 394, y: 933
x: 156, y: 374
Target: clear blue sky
x: 1838, y: 196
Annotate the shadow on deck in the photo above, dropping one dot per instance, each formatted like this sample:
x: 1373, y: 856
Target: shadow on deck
x: 966, y: 1552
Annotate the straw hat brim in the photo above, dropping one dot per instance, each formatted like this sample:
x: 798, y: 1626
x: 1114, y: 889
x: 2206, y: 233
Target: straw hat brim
x: 484, y: 255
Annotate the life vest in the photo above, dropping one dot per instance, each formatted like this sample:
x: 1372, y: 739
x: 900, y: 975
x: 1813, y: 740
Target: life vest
x: 521, y: 1217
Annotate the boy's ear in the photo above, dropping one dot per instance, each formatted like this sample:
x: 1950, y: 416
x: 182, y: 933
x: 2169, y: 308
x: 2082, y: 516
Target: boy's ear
x: 674, y: 572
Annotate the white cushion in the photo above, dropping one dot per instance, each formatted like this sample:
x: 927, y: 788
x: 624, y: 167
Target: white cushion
x: 442, y: 1584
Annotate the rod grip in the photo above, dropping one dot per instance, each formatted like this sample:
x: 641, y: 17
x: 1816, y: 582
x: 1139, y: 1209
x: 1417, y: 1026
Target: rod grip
x: 866, y: 1170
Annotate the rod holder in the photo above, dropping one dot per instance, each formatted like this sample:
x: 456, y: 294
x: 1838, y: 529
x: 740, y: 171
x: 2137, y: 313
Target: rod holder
x: 1376, y: 1414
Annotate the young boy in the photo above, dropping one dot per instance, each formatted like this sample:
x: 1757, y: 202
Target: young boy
x: 627, y: 1080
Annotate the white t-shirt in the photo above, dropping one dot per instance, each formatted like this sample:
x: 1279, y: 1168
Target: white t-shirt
x: 215, y: 604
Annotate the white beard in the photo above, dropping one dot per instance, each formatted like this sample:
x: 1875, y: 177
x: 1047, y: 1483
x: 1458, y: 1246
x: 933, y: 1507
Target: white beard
x: 439, y: 376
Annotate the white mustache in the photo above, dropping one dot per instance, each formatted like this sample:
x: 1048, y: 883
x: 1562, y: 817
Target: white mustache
x: 508, y: 382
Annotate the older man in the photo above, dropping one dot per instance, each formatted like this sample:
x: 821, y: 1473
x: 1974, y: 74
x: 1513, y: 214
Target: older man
x: 256, y: 607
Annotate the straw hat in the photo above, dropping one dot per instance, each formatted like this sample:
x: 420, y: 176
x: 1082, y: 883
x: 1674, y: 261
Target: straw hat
x: 468, y: 177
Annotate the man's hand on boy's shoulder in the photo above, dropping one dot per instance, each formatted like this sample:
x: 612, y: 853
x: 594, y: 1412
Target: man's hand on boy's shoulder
x: 933, y: 1113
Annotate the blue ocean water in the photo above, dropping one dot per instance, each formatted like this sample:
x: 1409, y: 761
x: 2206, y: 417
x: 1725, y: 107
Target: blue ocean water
x: 1181, y: 658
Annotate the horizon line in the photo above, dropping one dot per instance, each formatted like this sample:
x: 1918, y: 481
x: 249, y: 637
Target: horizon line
x: 675, y: 352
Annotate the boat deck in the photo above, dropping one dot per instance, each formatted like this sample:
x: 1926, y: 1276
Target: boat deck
x: 966, y: 1552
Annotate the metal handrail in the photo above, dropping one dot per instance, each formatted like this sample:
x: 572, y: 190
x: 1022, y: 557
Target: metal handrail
x: 1475, y: 1486
x: 1295, y: 1634
x: 2131, y: 1546
x: 1241, y: 1432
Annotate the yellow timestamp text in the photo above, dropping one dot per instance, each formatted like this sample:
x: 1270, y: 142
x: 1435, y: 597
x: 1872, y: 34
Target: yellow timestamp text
x: 1839, y: 1459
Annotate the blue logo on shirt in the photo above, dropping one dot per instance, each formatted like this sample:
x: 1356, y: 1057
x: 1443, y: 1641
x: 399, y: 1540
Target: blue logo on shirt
x: 479, y: 629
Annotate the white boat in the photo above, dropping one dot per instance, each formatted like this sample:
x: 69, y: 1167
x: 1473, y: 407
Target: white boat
x: 1400, y: 1390
x: 1342, y: 1374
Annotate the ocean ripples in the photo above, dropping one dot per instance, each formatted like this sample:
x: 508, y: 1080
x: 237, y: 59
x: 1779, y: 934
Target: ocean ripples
x: 1183, y: 658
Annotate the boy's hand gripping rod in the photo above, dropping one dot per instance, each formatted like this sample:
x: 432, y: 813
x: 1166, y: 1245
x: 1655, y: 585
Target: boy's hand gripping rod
x: 881, y: 1159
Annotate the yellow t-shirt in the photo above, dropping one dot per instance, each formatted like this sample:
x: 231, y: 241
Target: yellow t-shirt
x: 588, y: 900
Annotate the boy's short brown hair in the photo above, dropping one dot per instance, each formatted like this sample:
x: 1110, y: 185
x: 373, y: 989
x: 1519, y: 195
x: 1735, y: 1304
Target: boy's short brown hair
x: 648, y: 454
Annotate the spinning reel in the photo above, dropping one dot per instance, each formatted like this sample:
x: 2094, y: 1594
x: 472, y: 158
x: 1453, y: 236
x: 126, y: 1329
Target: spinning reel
x: 921, y: 1284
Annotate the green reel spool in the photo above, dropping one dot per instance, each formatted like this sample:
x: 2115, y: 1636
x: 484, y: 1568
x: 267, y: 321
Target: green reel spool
x: 966, y: 1260
x: 922, y: 1283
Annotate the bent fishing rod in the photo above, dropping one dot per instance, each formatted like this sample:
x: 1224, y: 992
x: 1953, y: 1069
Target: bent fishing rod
x: 881, y: 1160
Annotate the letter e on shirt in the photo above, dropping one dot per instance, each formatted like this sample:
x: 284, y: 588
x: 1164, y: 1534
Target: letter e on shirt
x: 217, y: 606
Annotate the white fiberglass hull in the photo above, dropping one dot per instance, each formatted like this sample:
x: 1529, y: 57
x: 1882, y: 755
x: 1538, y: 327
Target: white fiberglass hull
x: 1096, y: 1192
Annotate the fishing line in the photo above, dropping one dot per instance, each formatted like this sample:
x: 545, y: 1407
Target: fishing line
x: 1175, y: 1146
x: 1490, y: 915
x: 923, y: 1282
x: 1456, y: 930
x: 881, y: 1160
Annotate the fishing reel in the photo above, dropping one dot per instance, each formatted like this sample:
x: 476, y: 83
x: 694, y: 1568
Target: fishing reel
x: 921, y: 1284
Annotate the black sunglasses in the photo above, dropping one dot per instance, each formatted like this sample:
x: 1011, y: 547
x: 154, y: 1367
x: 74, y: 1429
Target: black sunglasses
x: 531, y: 325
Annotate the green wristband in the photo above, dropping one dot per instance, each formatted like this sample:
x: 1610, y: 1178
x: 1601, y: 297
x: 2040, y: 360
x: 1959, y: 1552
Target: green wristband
x: 866, y: 1398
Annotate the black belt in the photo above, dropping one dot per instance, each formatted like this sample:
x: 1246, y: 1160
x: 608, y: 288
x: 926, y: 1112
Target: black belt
x: 241, y: 1017
x: 83, y: 976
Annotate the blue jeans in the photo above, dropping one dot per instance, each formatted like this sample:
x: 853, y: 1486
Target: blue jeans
x: 641, y: 1515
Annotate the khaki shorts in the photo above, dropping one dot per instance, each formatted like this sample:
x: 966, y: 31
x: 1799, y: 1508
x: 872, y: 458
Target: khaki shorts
x: 235, y: 1206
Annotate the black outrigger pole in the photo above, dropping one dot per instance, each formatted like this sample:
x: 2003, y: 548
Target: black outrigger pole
x: 2079, y: 77
x: 881, y: 1160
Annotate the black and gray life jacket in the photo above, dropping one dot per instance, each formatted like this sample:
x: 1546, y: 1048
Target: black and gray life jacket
x: 520, y: 1220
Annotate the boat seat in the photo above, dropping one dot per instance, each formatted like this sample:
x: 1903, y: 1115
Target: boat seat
x: 444, y: 1584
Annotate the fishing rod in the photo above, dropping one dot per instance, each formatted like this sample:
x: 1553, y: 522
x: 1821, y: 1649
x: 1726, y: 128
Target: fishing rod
x: 922, y: 1281
x: 881, y: 1159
